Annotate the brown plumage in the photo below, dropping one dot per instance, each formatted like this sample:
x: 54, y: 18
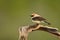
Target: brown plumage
x: 37, y: 19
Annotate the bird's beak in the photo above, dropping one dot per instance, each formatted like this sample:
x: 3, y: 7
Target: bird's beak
x: 31, y: 15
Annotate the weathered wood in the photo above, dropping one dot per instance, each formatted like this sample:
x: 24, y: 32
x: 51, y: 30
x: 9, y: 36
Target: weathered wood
x: 25, y: 30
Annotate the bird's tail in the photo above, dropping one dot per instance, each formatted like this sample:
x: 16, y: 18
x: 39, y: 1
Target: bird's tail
x: 47, y: 22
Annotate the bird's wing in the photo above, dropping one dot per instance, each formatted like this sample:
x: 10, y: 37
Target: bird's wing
x: 38, y: 18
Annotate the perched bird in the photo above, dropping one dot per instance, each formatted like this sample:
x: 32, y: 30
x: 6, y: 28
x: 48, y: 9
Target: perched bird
x: 38, y: 19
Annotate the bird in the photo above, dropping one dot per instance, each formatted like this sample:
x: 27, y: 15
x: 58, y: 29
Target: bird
x: 36, y: 18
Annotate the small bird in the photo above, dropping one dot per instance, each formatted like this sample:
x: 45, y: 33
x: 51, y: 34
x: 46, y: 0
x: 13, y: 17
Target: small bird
x: 38, y: 19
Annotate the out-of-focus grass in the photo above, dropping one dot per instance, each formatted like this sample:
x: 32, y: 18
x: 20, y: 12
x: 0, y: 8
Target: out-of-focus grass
x: 15, y: 13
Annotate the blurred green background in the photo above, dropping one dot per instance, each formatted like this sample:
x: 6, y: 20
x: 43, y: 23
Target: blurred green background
x: 15, y: 13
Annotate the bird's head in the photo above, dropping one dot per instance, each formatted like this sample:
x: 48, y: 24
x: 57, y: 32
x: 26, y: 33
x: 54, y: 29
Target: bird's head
x: 34, y: 15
